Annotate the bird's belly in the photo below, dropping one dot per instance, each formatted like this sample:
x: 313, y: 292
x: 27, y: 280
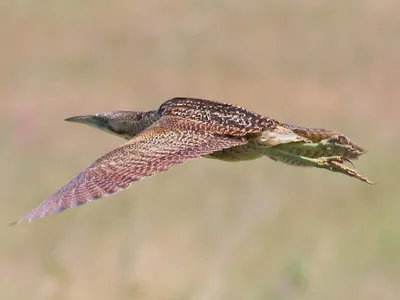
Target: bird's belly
x: 245, y: 152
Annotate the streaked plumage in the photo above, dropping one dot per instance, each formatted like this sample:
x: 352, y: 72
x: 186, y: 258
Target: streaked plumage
x: 187, y: 128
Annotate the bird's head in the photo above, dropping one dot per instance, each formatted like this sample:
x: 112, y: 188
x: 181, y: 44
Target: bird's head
x: 125, y: 124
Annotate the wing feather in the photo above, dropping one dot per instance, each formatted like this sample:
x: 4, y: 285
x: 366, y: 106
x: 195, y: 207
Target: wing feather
x: 170, y: 141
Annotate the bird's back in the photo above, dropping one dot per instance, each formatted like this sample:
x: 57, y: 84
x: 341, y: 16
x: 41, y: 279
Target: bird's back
x: 226, y: 118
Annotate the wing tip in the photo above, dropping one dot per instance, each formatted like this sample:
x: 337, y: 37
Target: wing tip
x: 23, y: 219
x: 13, y: 223
x: 37, y: 213
x: 27, y: 218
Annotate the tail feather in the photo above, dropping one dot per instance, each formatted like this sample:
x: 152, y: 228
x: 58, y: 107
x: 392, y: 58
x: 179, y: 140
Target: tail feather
x: 313, y: 134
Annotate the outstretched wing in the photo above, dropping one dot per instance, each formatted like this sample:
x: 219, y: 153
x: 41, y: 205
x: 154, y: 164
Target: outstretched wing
x: 170, y: 141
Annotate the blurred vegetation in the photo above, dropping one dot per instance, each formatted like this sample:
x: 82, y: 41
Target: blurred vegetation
x: 206, y: 230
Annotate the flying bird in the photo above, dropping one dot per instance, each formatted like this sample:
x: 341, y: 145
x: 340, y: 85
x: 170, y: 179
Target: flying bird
x: 186, y: 128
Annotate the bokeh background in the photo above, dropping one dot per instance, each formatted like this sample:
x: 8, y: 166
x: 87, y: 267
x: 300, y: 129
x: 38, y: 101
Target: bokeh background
x: 207, y: 229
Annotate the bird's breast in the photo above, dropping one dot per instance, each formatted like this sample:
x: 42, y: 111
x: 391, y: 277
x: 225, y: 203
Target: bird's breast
x: 249, y: 151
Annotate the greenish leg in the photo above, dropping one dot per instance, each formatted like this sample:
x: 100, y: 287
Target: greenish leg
x: 332, y: 163
x: 334, y: 146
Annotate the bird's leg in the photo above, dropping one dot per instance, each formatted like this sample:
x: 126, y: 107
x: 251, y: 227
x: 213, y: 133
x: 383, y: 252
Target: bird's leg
x: 331, y: 163
x: 287, y: 140
x: 334, y: 146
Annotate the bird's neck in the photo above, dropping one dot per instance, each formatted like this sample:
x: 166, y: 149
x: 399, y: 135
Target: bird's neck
x: 148, y: 119
x: 132, y: 123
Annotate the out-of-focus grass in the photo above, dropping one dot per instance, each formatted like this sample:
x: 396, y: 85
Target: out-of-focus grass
x: 208, y: 229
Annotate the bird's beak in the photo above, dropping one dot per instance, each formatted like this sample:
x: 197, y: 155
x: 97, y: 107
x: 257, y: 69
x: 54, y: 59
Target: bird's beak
x: 89, y: 119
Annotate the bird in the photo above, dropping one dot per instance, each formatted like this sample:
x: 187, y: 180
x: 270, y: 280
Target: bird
x: 185, y: 128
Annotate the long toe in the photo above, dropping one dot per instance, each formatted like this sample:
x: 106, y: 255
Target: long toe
x: 336, y: 164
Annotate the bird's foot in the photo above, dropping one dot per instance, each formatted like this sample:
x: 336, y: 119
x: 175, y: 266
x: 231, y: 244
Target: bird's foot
x: 340, y: 145
x: 334, y: 146
x: 336, y: 164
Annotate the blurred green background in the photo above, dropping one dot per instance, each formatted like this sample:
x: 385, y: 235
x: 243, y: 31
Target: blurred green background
x: 207, y: 229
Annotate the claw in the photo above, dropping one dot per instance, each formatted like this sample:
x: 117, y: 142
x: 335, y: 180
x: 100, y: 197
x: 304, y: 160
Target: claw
x: 349, y: 161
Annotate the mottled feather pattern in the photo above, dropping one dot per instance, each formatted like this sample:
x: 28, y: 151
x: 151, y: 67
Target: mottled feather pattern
x: 188, y: 128
x: 313, y: 134
x: 227, y: 118
x: 169, y: 142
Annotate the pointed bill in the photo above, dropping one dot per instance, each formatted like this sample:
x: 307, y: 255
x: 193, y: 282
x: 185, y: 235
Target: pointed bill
x: 82, y: 119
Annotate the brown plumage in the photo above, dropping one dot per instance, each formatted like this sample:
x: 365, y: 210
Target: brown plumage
x: 187, y: 128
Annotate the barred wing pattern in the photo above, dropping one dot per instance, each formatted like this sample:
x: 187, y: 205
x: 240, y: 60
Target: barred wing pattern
x: 170, y: 141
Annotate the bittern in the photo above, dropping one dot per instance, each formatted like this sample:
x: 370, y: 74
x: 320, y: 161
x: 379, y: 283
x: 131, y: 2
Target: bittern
x: 186, y: 128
